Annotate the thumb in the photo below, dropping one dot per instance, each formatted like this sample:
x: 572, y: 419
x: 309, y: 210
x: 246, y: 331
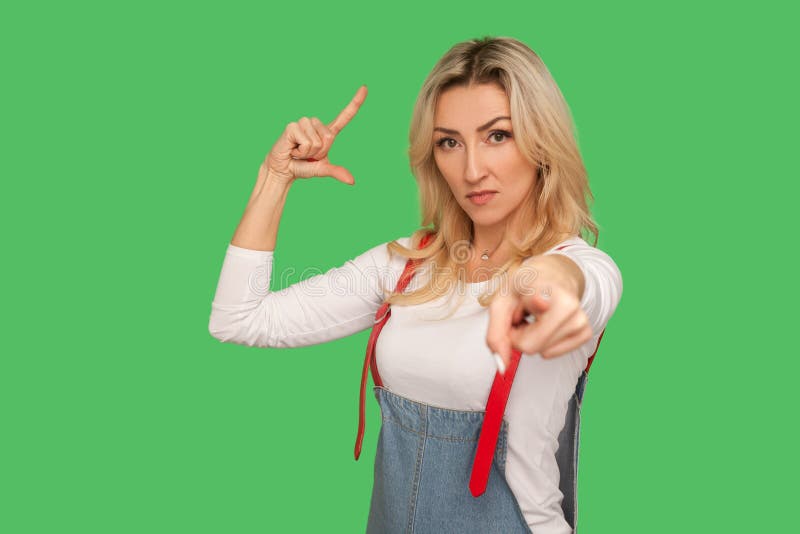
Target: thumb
x: 338, y: 172
x: 312, y: 167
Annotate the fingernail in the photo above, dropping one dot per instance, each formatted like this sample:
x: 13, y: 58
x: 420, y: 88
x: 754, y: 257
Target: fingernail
x: 500, y: 365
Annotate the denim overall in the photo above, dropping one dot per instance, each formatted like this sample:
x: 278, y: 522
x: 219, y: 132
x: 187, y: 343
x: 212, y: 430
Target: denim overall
x: 424, y: 460
x: 422, y: 469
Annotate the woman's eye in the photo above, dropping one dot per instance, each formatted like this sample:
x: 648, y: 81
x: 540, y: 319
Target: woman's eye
x: 505, y: 135
x: 444, y: 142
x: 441, y: 142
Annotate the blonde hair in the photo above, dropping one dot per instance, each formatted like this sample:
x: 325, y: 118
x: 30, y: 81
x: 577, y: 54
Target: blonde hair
x: 555, y: 207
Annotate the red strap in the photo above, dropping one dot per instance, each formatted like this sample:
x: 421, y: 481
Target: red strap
x: 595, y: 350
x: 487, y: 441
x: 383, y: 314
x: 493, y: 420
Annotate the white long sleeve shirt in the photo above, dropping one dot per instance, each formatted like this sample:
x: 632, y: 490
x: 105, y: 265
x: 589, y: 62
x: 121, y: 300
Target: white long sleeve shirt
x: 444, y: 363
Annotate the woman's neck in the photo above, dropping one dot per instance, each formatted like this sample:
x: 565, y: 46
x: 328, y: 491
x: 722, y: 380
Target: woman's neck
x: 488, y: 239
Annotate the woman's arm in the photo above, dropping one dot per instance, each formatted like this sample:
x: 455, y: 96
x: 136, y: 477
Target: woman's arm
x: 323, y: 307
x: 602, y: 281
x: 258, y: 229
x: 317, y: 309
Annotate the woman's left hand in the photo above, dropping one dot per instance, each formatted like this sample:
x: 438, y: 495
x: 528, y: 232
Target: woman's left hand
x: 549, y: 288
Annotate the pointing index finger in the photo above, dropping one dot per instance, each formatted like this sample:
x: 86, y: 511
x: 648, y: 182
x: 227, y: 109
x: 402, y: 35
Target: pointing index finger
x: 348, y: 112
x: 501, y: 316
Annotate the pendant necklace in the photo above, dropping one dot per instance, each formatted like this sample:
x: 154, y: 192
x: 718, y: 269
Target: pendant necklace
x: 486, y: 253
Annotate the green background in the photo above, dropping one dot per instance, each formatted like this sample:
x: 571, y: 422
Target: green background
x: 132, y: 136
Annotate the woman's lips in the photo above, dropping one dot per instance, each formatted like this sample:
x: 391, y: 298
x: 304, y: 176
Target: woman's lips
x: 483, y: 198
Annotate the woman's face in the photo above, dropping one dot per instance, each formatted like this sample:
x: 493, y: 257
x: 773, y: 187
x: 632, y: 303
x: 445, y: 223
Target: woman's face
x: 475, y: 151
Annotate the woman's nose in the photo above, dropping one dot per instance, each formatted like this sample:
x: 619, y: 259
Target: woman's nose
x: 474, y: 166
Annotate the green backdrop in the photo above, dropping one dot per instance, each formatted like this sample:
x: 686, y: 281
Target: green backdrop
x: 132, y: 135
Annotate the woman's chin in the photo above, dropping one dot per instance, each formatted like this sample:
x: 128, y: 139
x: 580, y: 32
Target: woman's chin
x: 485, y: 218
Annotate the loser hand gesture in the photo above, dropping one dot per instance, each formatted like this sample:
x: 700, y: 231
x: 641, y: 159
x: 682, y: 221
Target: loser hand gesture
x: 302, y: 149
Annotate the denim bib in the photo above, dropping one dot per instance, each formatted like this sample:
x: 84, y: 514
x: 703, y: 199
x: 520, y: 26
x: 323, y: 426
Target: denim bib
x: 422, y: 469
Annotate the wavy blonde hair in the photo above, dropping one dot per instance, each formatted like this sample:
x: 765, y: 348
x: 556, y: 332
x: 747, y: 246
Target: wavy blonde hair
x: 555, y: 207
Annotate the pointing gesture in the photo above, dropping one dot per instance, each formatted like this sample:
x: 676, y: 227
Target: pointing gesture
x: 302, y: 149
x: 547, y: 288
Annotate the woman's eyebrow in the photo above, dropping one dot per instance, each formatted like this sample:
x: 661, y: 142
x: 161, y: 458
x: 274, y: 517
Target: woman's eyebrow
x: 479, y: 129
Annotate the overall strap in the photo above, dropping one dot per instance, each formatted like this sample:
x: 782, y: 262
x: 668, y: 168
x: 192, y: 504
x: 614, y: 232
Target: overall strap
x: 493, y: 420
x: 383, y: 314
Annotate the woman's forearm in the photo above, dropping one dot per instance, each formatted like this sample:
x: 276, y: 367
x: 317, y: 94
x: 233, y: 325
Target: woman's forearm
x: 258, y: 229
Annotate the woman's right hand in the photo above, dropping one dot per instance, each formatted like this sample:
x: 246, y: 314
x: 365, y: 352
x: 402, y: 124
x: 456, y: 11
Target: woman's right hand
x: 302, y: 149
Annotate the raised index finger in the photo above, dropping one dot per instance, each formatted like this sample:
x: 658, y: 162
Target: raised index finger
x: 348, y: 112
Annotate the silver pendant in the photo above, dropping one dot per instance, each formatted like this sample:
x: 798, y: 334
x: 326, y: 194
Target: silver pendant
x: 485, y: 255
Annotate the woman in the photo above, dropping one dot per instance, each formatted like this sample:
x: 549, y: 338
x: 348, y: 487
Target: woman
x: 503, y: 188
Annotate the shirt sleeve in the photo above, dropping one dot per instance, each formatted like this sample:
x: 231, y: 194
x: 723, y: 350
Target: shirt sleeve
x: 323, y: 307
x: 603, y: 281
